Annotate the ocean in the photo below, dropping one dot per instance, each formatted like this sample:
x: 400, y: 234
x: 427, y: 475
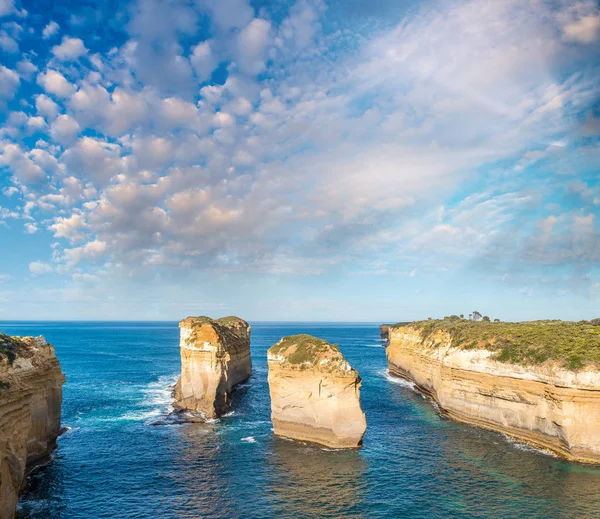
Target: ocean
x: 122, y: 458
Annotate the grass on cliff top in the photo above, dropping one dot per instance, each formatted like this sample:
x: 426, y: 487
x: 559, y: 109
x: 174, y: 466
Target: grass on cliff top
x: 308, y: 349
x: 9, y: 347
x: 228, y: 321
x: 572, y: 344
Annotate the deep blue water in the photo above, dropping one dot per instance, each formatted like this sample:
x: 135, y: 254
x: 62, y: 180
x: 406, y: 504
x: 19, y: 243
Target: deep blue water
x: 113, y: 463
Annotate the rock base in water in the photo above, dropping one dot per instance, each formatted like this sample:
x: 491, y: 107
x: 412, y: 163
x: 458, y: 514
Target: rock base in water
x: 315, y: 393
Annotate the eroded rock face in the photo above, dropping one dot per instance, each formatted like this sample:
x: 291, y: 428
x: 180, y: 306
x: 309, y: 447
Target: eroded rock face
x: 315, y: 393
x: 384, y: 332
x: 545, y: 405
x: 30, y: 411
x: 215, y: 357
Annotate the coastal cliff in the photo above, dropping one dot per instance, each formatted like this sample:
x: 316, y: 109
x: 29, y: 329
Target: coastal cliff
x: 538, y: 382
x: 384, y: 332
x: 30, y: 411
x: 215, y: 357
x: 315, y: 393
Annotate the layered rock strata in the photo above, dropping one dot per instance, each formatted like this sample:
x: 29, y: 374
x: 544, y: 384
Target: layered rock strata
x: 546, y: 405
x: 215, y: 357
x: 30, y: 410
x: 315, y: 393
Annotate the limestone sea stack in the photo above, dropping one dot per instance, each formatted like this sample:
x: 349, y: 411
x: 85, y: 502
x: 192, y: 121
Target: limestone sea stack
x: 215, y: 357
x: 538, y: 382
x: 315, y: 393
x: 30, y: 410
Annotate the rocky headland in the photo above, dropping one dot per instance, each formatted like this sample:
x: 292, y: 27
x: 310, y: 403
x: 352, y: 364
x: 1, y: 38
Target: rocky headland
x: 315, y: 393
x: 538, y: 382
x: 30, y: 411
x: 215, y: 357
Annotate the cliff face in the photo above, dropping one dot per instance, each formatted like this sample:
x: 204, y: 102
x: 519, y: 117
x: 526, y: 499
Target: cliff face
x: 215, y: 356
x: 545, y: 405
x: 384, y: 332
x: 315, y: 393
x: 30, y: 411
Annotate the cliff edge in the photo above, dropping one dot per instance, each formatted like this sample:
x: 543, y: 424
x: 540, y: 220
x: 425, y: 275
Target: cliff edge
x: 30, y: 411
x: 215, y: 357
x: 538, y: 382
x: 315, y: 393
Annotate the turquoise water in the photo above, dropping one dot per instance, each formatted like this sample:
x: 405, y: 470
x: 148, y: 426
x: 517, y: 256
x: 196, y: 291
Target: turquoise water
x: 115, y: 462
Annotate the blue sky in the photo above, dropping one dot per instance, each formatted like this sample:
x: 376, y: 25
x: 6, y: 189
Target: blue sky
x: 301, y: 160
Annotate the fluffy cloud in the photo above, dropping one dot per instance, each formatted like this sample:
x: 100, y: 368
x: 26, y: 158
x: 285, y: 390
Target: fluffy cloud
x: 50, y: 30
x: 39, y: 267
x: 314, y: 148
x: 53, y: 82
x: 9, y: 82
x: 70, y: 49
x: 64, y: 129
x: 6, y: 7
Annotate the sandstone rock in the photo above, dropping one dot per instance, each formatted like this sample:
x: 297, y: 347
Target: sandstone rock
x: 546, y: 405
x: 315, y: 393
x: 384, y: 332
x: 215, y: 357
x: 30, y: 411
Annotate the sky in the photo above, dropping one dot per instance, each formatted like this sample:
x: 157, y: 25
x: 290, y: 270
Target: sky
x: 299, y: 160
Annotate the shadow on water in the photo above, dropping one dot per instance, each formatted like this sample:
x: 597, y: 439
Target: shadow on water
x: 307, y: 481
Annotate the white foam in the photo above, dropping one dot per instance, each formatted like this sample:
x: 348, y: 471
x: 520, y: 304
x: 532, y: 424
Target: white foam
x: 397, y: 380
x: 249, y: 439
x: 526, y: 447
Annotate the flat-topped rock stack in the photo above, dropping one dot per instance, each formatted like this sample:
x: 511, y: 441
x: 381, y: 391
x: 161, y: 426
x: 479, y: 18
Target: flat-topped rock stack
x: 215, y: 357
x: 30, y: 411
x: 315, y: 393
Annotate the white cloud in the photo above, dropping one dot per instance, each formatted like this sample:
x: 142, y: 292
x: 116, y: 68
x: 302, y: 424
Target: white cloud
x: 252, y: 46
x: 70, y: 49
x: 6, y: 7
x: 9, y: 82
x: 64, y: 129
x: 203, y: 60
x: 46, y: 107
x: 38, y: 267
x: 7, y: 43
x: 91, y: 250
x: 228, y: 14
x: 53, y: 82
x: 69, y: 227
x: 50, y: 30
x: 26, y: 69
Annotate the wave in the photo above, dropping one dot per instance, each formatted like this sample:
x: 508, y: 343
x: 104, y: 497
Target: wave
x: 249, y: 439
x: 396, y: 380
x: 526, y: 447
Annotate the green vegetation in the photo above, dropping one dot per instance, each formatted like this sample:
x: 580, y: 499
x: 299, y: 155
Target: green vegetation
x: 4, y: 386
x: 306, y: 348
x: 574, y: 345
x: 9, y: 347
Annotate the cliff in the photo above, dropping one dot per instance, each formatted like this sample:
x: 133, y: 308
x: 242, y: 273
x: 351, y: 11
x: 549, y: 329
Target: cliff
x: 384, y: 332
x: 215, y: 357
x: 315, y: 393
x: 30, y: 411
x: 538, y: 382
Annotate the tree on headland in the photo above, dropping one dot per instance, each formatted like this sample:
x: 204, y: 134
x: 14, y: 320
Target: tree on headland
x: 462, y: 316
x: 496, y: 320
x: 475, y: 316
x: 485, y: 318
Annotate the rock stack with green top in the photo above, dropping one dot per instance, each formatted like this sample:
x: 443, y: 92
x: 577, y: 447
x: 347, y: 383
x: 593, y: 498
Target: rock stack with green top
x: 315, y: 393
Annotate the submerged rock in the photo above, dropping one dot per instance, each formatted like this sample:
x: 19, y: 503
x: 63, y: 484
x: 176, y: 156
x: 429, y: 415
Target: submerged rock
x: 315, y: 393
x: 215, y: 357
x: 30, y: 411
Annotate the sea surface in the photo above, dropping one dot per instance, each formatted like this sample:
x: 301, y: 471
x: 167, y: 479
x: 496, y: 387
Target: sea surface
x: 118, y: 461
